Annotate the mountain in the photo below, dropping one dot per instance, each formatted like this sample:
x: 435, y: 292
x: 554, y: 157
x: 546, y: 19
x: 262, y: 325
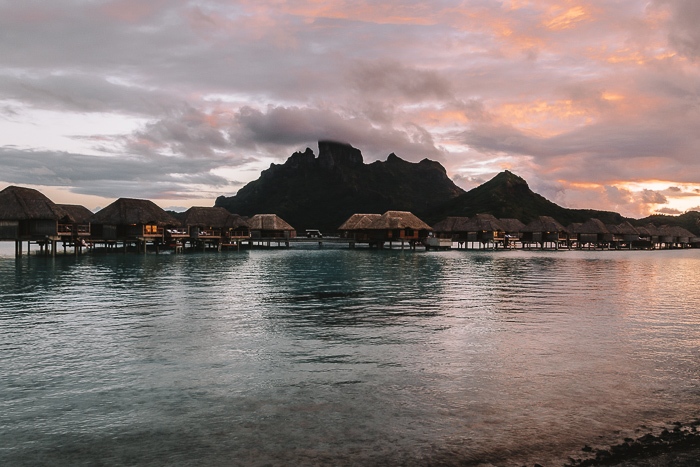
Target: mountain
x: 322, y: 192
x: 508, y: 196
x: 690, y: 220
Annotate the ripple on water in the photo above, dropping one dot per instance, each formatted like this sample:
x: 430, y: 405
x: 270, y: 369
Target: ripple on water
x: 342, y: 357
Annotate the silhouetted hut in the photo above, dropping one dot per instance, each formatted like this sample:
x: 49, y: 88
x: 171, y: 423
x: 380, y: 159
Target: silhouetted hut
x: 131, y: 221
x: 448, y: 227
x: 485, y: 229
x: 454, y: 228
x: 513, y: 229
x: 213, y: 226
x: 666, y: 236
x: 545, y: 230
x: 270, y: 226
x: 681, y: 236
x: 626, y: 235
x: 650, y: 233
x: 28, y: 215
x: 398, y: 226
x: 695, y: 241
x: 80, y: 220
x: 593, y: 233
x: 237, y: 227
x: 645, y: 238
x: 357, y: 227
x: 77, y: 231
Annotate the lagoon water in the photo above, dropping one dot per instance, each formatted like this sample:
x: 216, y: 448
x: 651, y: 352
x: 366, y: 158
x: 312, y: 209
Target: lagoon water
x: 308, y: 356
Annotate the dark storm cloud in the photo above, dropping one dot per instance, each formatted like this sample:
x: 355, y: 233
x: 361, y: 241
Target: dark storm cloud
x: 186, y: 132
x: 289, y: 126
x: 83, y: 93
x: 155, y: 176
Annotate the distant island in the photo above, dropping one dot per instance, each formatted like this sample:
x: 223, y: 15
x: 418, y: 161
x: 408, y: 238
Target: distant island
x: 321, y: 192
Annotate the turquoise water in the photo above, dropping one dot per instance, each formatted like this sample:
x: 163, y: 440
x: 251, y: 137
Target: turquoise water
x: 308, y: 356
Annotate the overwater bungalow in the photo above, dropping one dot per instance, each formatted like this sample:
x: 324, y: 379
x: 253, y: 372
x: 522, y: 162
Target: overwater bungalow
x: 357, y: 227
x: 398, y: 226
x: 448, y: 231
x: 651, y: 233
x: 445, y: 233
x: 26, y: 215
x: 270, y: 226
x: 513, y: 231
x: 76, y: 232
x: 544, y: 231
x: 667, y: 236
x: 485, y: 230
x: 591, y: 234
x: 625, y: 235
x: 680, y: 237
x: 446, y: 227
x: 131, y: 222
x: 645, y: 238
x: 210, y: 226
x: 694, y: 241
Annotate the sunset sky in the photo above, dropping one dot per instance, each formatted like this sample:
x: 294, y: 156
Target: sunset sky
x: 595, y: 103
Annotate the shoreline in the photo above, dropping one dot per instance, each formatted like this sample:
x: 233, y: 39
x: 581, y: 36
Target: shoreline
x: 678, y: 444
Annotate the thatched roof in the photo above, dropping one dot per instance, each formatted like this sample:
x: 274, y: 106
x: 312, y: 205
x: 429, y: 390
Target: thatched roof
x: 574, y: 226
x: 675, y: 231
x: 649, y: 230
x: 359, y: 221
x: 544, y: 224
x: 133, y: 211
x: 683, y: 232
x: 592, y: 226
x: 217, y: 217
x: 398, y: 220
x: 665, y: 230
x: 20, y: 204
x: 484, y: 223
x: 626, y: 228
x: 643, y: 231
x: 268, y: 222
x: 511, y: 225
x: 79, y: 214
x: 612, y: 228
x: 450, y: 224
x: 237, y: 221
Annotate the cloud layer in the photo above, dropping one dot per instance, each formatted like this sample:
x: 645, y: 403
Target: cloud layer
x: 595, y: 103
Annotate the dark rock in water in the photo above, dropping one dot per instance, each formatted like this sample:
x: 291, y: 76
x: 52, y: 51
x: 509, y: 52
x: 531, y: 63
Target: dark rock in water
x: 682, y: 442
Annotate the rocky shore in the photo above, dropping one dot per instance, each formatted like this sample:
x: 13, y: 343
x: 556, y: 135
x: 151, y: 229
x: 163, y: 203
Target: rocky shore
x: 676, y: 445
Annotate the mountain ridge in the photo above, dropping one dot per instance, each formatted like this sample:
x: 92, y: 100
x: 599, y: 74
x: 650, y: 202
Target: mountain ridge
x: 321, y: 192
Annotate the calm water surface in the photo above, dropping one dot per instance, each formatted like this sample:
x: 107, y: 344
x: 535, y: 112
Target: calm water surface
x: 342, y: 357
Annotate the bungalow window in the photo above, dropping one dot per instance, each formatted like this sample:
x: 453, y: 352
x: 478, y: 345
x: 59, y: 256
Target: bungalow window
x: 409, y: 232
x: 151, y: 229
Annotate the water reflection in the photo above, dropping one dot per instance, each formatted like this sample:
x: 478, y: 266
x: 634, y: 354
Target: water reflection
x: 342, y: 357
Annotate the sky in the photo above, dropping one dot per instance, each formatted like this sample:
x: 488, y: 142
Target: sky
x: 596, y: 103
